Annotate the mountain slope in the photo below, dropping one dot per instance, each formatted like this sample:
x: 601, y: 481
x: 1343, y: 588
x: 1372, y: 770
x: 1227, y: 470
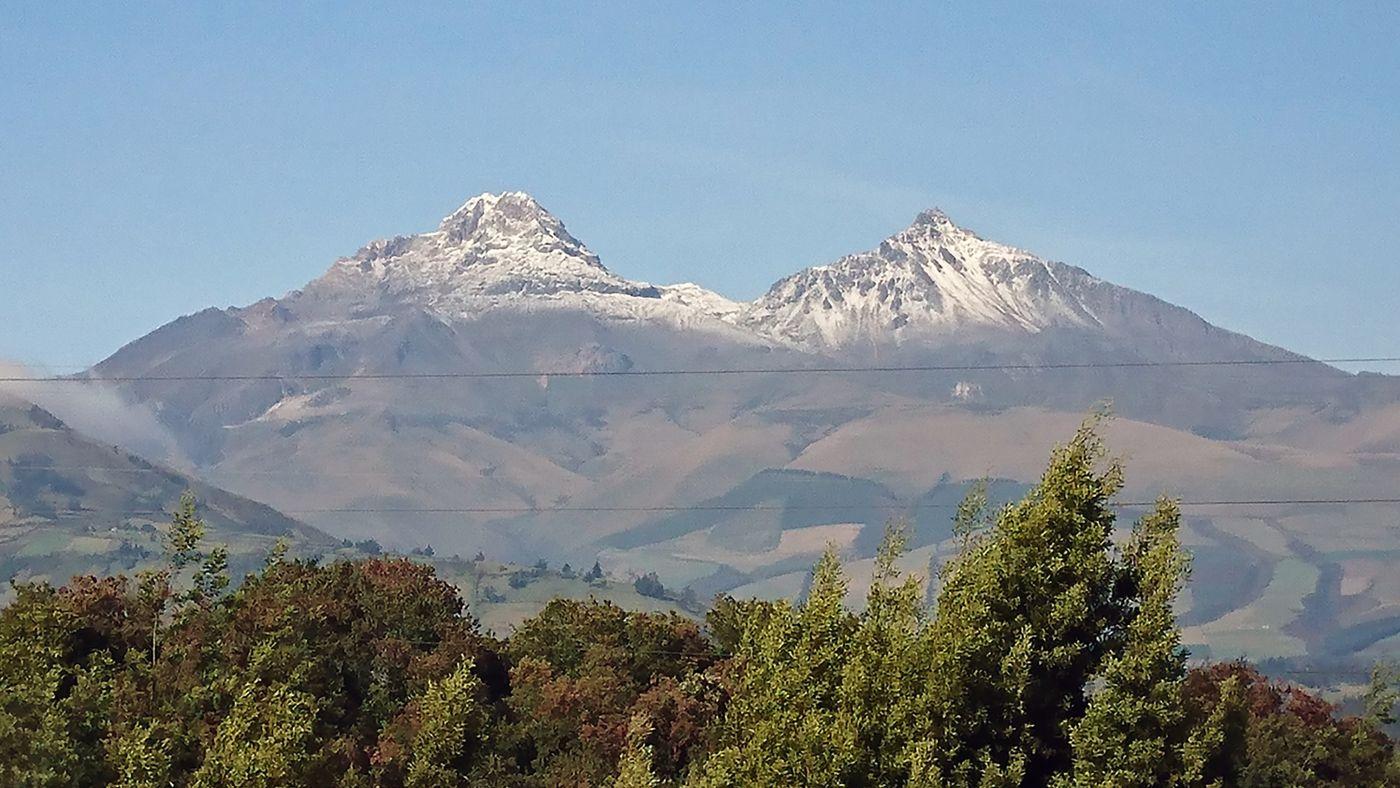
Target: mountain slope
x: 71, y: 506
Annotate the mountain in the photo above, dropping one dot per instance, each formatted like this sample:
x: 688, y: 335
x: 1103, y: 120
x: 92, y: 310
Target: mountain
x: 506, y: 252
x: 69, y: 505
x: 333, y: 398
x: 935, y: 282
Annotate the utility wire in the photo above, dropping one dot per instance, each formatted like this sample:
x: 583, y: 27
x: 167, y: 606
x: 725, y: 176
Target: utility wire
x: 827, y: 370
x: 735, y: 508
x: 213, y: 473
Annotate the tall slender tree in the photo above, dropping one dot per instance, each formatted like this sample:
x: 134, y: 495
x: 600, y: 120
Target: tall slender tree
x: 1134, y: 730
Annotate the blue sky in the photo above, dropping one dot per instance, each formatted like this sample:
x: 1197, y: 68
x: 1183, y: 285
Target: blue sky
x: 1241, y: 161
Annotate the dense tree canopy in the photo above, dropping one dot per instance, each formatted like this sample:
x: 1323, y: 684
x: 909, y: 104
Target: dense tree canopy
x: 1050, y: 657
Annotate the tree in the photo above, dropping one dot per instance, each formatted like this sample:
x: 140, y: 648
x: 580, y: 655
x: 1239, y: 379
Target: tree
x: 1133, y: 731
x: 634, y: 768
x: 1025, y: 617
x: 594, y: 574
x: 208, y: 580
x: 582, y: 670
x: 1248, y: 730
x: 1382, y: 697
x: 53, y: 699
x: 1052, y: 659
x: 140, y: 757
x: 783, y: 723
x: 1216, y: 751
x: 886, y: 668
x: 449, y: 730
x: 267, y: 739
x: 649, y: 585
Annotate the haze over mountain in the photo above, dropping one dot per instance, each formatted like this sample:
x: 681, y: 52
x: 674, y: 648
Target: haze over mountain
x: 348, y: 395
x: 69, y: 505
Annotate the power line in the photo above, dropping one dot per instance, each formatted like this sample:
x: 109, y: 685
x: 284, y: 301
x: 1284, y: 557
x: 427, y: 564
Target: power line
x: 536, y: 510
x: 820, y: 370
x: 213, y: 473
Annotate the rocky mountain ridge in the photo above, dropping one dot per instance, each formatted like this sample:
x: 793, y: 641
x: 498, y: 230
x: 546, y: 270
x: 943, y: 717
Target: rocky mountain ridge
x: 934, y: 281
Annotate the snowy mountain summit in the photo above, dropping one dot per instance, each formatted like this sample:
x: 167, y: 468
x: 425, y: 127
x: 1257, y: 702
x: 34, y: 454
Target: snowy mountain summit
x: 927, y: 281
x: 930, y: 283
x: 505, y: 251
x: 494, y: 247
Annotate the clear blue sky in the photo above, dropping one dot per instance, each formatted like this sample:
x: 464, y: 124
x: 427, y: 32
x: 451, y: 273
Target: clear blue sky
x: 1241, y: 161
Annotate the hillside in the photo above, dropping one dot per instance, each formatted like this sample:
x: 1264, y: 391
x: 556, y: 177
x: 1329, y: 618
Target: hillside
x: 70, y: 506
x: 375, y: 672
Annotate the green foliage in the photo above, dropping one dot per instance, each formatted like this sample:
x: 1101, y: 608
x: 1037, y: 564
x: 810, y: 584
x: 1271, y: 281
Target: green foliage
x: 782, y: 726
x: 1249, y: 731
x: 820, y: 696
x: 649, y: 585
x: 266, y: 739
x: 582, y: 670
x: 139, y: 757
x: 971, y: 515
x: 1133, y: 731
x: 1052, y: 658
x: 1382, y: 697
x: 1025, y: 620
x: 634, y: 767
x: 277, y: 554
x: 56, y: 689
x: 186, y: 532
x: 451, y: 721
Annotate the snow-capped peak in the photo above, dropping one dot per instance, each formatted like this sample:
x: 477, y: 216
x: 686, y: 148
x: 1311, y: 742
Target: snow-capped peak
x: 494, y: 247
x: 505, y: 251
x: 511, y: 219
x: 926, y: 281
x: 933, y: 216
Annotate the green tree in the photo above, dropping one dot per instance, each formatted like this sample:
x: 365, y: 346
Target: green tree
x: 582, y: 670
x: 886, y: 666
x: 1247, y: 730
x: 55, y: 694
x: 1024, y: 619
x: 1382, y: 698
x: 783, y: 724
x: 140, y: 757
x: 268, y: 739
x: 450, y: 727
x: 1134, y: 730
x: 634, y: 768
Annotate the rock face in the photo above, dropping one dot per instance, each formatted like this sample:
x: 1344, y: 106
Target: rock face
x: 331, y: 397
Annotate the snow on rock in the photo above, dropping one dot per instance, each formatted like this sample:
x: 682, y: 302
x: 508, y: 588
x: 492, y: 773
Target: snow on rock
x: 493, y: 248
x: 930, y: 280
x: 505, y: 251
